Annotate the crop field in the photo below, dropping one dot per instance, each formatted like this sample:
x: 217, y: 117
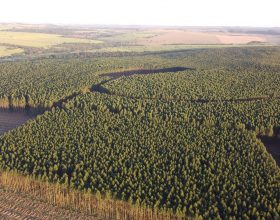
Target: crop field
x: 179, y: 134
x: 59, y: 41
x: 156, y: 37
x: 7, y: 51
x: 240, y: 39
x: 200, y: 38
x: 37, y: 39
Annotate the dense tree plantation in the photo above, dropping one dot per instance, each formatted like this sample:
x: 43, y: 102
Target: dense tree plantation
x: 133, y: 151
x: 243, y: 72
x: 200, y: 85
x: 218, y: 74
x: 41, y: 83
x: 149, y: 139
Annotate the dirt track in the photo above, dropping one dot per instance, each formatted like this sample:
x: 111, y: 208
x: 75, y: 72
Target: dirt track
x: 18, y: 206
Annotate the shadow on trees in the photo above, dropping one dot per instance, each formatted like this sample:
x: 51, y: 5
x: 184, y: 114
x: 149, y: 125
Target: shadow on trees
x: 272, y: 144
x: 147, y: 71
x: 32, y: 111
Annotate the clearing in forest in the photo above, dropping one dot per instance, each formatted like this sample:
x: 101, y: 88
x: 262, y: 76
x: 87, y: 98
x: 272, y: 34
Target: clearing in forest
x: 11, y: 120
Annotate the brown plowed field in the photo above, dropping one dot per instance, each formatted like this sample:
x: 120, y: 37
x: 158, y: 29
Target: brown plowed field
x: 191, y: 37
x: 19, y: 206
x: 239, y: 39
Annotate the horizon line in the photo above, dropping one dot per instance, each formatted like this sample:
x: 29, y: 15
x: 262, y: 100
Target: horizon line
x: 137, y: 25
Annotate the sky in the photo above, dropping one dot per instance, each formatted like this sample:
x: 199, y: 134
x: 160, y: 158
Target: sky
x: 260, y: 13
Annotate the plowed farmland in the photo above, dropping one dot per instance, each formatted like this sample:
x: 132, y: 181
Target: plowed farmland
x: 14, y: 205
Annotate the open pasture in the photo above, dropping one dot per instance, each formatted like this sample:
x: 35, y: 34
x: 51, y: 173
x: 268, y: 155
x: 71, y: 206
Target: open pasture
x: 7, y: 51
x: 38, y: 39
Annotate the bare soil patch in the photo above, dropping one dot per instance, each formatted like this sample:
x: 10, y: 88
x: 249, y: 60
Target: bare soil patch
x: 10, y: 120
x: 19, y: 206
x: 239, y: 39
x: 180, y: 37
x: 192, y: 37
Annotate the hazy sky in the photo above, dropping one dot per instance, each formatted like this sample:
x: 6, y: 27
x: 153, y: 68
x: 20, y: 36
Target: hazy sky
x: 145, y: 12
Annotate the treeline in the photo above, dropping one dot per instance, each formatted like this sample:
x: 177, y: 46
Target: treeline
x: 213, y: 74
x: 200, y: 85
x: 40, y: 84
x: 220, y: 73
x: 193, y: 159
x: 97, y: 205
x: 174, y: 156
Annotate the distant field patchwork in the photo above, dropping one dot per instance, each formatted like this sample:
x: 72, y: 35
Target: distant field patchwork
x: 38, y: 39
x: 191, y: 37
x: 155, y: 37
